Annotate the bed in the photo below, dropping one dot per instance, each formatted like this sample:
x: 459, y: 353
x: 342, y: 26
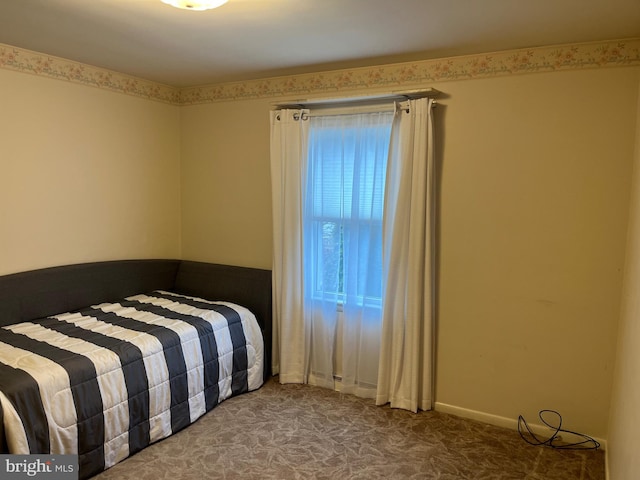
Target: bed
x: 103, y: 359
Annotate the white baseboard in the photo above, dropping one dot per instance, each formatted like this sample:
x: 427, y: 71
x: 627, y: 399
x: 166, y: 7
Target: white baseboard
x: 505, y: 422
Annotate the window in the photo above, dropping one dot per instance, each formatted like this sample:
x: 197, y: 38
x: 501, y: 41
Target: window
x: 343, y: 203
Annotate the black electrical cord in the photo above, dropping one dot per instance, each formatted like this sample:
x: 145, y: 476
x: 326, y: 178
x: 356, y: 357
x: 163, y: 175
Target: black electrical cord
x: 554, y: 440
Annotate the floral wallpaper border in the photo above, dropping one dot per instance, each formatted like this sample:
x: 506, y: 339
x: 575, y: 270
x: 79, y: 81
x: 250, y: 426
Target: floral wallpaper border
x: 26, y: 61
x: 612, y: 53
x: 532, y: 60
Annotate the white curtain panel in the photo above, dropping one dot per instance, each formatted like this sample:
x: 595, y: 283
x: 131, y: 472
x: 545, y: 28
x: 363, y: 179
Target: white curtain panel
x: 405, y: 377
x: 291, y: 336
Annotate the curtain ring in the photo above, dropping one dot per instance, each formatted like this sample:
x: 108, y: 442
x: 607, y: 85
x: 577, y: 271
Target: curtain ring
x: 304, y: 116
x: 296, y: 116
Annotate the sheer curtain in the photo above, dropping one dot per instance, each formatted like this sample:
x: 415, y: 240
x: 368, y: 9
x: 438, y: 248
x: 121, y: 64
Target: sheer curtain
x: 328, y: 175
x: 405, y: 378
x: 346, y: 168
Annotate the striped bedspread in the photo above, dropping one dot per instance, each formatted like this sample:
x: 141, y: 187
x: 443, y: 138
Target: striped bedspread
x: 109, y: 380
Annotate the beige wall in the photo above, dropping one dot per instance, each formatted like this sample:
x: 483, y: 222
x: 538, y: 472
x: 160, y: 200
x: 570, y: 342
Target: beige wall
x: 534, y: 201
x: 86, y: 174
x: 624, y: 443
x: 226, y: 189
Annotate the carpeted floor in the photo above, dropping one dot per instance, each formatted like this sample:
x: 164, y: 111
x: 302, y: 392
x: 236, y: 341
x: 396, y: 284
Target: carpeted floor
x: 300, y: 432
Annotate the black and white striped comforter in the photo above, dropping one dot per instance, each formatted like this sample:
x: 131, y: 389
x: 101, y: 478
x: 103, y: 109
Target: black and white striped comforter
x: 109, y: 380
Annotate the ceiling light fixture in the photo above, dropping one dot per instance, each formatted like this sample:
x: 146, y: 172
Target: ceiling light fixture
x: 195, y: 4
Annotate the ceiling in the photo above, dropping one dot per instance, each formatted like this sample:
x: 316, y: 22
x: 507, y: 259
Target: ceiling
x: 250, y: 39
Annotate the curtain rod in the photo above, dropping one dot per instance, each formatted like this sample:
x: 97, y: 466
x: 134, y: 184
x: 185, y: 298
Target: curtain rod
x: 399, y: 95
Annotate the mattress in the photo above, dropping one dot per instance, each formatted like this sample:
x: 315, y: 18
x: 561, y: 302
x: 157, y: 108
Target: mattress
x: 107, y: 381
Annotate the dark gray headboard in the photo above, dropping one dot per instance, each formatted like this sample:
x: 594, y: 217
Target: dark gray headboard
x: 49, y: 291
x: 39, y: 293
